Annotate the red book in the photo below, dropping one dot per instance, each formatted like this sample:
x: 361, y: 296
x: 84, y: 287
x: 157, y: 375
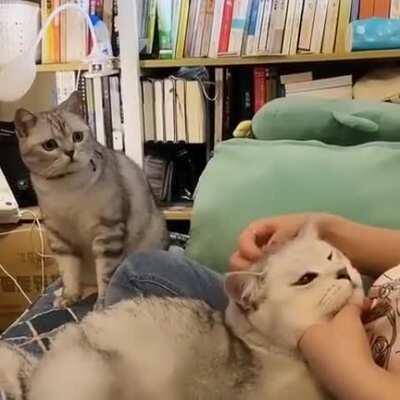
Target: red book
x: 382, y: 8
x: 367, y: 9
x: 260, y: 87
x: 226, y: 26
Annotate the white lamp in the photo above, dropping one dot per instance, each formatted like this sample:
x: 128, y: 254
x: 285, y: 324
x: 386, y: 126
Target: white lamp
x: 18, y: 75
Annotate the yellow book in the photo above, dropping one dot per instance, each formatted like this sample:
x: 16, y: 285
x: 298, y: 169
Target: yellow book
x: 47, y: 42
x: 183, y: 21
x: 343, y: 25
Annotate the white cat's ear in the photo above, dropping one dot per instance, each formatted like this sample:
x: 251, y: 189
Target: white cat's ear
x: 24, y: 120
x: 73, y: 104
x: 241, y: 287
x: 309, y: 231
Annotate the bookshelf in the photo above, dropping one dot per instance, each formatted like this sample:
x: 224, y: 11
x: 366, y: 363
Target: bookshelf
x: 61, y: 67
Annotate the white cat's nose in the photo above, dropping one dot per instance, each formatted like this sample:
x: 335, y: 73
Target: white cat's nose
x: 343, y: 274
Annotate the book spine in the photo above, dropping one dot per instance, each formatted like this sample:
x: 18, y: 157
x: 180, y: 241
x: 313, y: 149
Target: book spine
x: 355, y: 9
x: 259, y: 88
x: 237, y: 27
x: 99, y: 8
x: 98, y: 110
x: 395, y: 9
x: 200, y: 24
x: 226, y: 27
x: 219, y: 105
x: 47, y: 43
x: 90, y: 106
x: 56, y: 34
x: 108, y: 14
x: 342, y: 28
x: 183, y: 23
x: 261, y: 23
x: 382, y: 8
x: 151, y: 24
x: 206, y: 42
x: 265, y: 27
x: 228, y: 90
x: 251, y: 31
x: 277, y: 26
x: 216, y: 28
x: 294, y: 41
x: 307, y: 23
x: 289, y: 26
x: 107, y: 111
x: 196, y: 31
x: 366, y: 9
x: 83, y: 95
x: 328, y: 45
x: 176, y: 15
x: 164, y: 13
x: 319, y: 26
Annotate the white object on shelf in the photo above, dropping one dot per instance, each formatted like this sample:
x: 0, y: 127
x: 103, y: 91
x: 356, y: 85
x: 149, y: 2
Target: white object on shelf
x: 9, y: 211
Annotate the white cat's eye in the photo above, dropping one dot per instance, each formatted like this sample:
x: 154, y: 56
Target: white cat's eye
x: 330, y: 256
x: 50, y: 145
x: 77, y: 137
x: 305, y: 279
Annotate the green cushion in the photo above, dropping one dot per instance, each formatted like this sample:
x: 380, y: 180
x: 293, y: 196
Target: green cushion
x: 249, y: 179
x: 338, y: 122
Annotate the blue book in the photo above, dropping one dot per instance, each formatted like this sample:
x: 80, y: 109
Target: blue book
x: 251, y: 29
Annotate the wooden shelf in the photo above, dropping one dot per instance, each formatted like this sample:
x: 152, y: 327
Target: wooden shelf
x: 173, y: 213
x: 61, y: 67
x: 247, y: 60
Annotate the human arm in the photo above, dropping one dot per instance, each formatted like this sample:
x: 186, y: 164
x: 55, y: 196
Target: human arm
x: 371, y: 249
x: 347, y: 369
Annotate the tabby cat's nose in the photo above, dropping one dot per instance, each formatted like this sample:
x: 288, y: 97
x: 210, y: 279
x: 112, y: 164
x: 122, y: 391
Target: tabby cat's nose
x: 343, y: 274
x: 70, y: 154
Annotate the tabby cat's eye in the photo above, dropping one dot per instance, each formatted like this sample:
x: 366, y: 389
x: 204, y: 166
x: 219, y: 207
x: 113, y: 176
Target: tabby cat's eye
x: 50, y: 145
x: 306, y: 279
x: 77, y: 137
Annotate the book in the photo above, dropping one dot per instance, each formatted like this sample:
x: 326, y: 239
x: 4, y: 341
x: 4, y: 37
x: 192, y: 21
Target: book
x: 216, y: 28
x: 195, y: 107
x: 395, y: 9
x: 318, y: 84
x: 77, y: 35
x: 159, y: 109
x: 251, y: 27
x: 289, y: 26
x: 277, y: 26
x: 355, y: 10
x: 259, y: 88
x: 227, y: 106
x: 307, y: 24
x: 180, y: 108
x: 366, y: 9
x: 219, y: 106
x: 98, y: 110
x: 65, y: 85
x: 319, y: 26
x: 294, y: 40
x: 262, y: 26
x: 116, y: 120
x: 176, y: 13
x: 296, y: 77
x: 108, y: 131
x: 151, y: 25
x: 328, y: 45
x: 190, y: 33
x: 237, y: 28
x: 148, y: 108
x: 342, y: 27
x: 56, y: 56
x: 164, y: 13
x: 183, y: 22
x: 169, y: 110
x: 200, y: 29
x: 382, y: 8
x: 223, y: 46
x: 208, y: 25
x: 90, y: 106
x: 47, y: 42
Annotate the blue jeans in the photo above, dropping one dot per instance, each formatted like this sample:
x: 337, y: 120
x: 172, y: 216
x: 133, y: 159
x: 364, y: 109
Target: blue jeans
x: 158, y: 273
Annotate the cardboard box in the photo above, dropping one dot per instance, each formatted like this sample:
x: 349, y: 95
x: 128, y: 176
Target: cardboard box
x: 19, y: 248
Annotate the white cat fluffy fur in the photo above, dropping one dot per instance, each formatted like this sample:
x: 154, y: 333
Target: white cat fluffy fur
x: 176, y: 349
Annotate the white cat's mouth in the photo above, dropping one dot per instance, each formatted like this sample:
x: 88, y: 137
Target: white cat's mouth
x: 335, y: 298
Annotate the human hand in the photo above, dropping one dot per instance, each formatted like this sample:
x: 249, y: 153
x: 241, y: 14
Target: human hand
x: 255, y: 240
x: 338, y: 348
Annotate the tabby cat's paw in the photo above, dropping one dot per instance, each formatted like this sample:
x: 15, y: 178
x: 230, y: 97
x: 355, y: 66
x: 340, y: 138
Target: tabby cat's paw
x: 65, y: 301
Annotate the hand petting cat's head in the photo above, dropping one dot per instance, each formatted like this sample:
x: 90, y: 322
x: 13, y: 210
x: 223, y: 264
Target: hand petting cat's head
x: 304, y: 282
x: 55, y: 143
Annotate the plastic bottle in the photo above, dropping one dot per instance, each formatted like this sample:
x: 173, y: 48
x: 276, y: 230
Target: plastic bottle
x: 102, y: 35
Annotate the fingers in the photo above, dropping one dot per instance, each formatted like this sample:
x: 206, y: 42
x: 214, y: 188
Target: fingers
x: 238, y: 263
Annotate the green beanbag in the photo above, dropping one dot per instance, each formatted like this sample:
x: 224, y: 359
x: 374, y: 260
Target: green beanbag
x: 341, y: 122
x: 249, y: 179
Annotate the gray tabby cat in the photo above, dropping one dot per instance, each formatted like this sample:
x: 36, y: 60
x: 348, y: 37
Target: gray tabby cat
x: 96, y: 202
x: 180, y: 349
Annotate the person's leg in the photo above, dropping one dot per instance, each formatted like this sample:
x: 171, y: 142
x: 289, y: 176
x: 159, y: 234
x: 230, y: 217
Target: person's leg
x: 163, y: 273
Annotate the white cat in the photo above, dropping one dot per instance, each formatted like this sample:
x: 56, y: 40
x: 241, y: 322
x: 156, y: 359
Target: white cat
x: 180, y: 349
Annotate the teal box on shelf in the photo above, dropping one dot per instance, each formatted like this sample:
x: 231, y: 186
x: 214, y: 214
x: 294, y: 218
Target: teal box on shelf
x: 374, y: 34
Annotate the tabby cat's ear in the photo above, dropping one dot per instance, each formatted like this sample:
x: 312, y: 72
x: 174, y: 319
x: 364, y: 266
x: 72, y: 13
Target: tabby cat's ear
x: 24, y: 120
x: 242, y: 288
x: 73, y: 104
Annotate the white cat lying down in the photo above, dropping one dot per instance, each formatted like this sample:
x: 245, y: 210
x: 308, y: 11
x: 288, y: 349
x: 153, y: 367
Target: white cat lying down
x: 176, y: 349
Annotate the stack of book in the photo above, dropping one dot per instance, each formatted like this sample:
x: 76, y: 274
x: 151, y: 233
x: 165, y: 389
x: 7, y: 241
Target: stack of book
x: 102, y: 104
x: 174, y: 110
x: 67, y: 38
x: 212, y: 28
